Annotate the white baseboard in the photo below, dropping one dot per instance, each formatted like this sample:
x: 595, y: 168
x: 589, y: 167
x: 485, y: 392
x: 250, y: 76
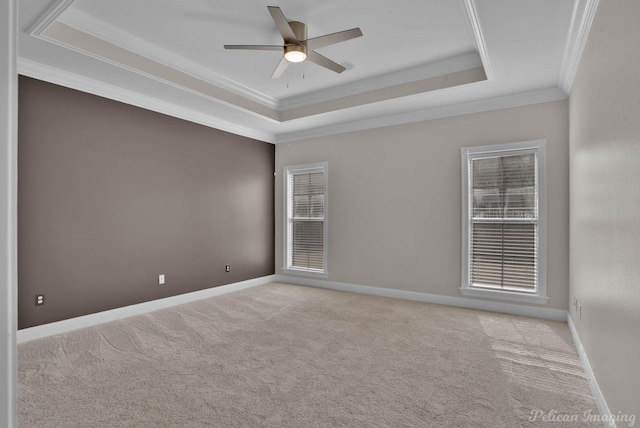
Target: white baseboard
x: 609, y: 420
x: 65, y: 326
x: 485, y: 305
x: 84, y: 321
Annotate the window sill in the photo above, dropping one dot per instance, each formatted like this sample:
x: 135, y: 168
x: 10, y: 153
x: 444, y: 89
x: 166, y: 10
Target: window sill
x: 304, y: 272
x: 504, y: 295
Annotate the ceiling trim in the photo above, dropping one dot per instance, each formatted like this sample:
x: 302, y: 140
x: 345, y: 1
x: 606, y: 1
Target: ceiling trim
x: 82, y: 83
x: 102, y: 50
x: 49, y: 16
x: 95, y: 46
x: 476, y: 29
x: 85, y: 84
x: 115, y: 36
x: 497, y: 103
x: 102, y: 30
x: 436, y: 83
x: 581, y: 20
x: 383, y: 81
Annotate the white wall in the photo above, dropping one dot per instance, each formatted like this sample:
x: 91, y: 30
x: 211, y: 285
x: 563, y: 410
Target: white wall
x: 8, y: 211
x: 605, y: 202
x: 395, y: 197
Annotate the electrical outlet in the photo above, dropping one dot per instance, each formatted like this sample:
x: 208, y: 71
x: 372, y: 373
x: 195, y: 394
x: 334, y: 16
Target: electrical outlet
x: 227, y: 268
x: 39, y: 299
x: 161, y: 279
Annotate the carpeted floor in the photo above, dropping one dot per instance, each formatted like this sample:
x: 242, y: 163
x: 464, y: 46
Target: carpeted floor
x: 281, y: 355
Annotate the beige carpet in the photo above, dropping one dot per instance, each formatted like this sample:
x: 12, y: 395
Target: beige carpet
x: 288, y: 356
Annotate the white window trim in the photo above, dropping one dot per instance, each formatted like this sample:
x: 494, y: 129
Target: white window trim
x: 540, y: 295
x: 287, y: 269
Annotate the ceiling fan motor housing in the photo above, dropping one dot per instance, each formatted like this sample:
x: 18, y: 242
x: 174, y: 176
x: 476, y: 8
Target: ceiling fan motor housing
x: 299, y: 29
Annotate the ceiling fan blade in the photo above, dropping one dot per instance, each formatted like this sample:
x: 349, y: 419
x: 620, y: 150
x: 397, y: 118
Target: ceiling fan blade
x: 282, y: 66
x: 330, y: 39
x: 324, y: 62
x: 283, y: 25
x: 256, y: 47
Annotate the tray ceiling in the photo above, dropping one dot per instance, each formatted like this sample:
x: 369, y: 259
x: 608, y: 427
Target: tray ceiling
x: 416, y: 60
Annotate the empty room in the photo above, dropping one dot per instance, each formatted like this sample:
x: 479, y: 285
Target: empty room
x: 320, y: 214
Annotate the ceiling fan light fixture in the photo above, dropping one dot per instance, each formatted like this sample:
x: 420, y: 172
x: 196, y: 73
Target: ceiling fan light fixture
x: 295, y: 53
x: 297, y: 44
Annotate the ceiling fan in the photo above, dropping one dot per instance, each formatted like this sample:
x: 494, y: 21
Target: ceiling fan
x: 297, y: 47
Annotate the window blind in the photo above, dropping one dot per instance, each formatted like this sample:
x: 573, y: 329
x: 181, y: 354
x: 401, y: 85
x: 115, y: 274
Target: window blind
x: 307, y: 220
x: 504, y: 222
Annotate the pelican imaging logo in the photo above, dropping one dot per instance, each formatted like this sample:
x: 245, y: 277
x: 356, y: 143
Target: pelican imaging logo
x: 588, y: 416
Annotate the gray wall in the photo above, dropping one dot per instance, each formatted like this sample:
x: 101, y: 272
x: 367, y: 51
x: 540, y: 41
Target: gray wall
x: 111, y: 196
x: 605, y: 202
x: 395, y: 197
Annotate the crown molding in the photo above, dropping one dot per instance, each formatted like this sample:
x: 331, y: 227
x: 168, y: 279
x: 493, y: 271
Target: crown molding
x: 111, y: 34
x: 83, y: 42
x: 431, y: 85
x: 383, y: 81
x: 82, y: 83
x: 49, y: 16
x: 154, y: 70
x: 116, y: 36
x: 74, y: 81
x: 497, y: 103
x: 476, y: 29
x: 581, y: 20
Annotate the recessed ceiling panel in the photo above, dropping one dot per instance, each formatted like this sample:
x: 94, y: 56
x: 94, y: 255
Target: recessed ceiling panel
x: 397, y: 35
x: 416, y: 60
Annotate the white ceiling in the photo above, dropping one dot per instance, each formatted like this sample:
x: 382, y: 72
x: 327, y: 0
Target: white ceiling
x: 418, y: 59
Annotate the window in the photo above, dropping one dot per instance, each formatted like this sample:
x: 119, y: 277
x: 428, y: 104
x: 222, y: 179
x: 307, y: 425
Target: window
x: 306, y: 226
x: 504, y: 221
